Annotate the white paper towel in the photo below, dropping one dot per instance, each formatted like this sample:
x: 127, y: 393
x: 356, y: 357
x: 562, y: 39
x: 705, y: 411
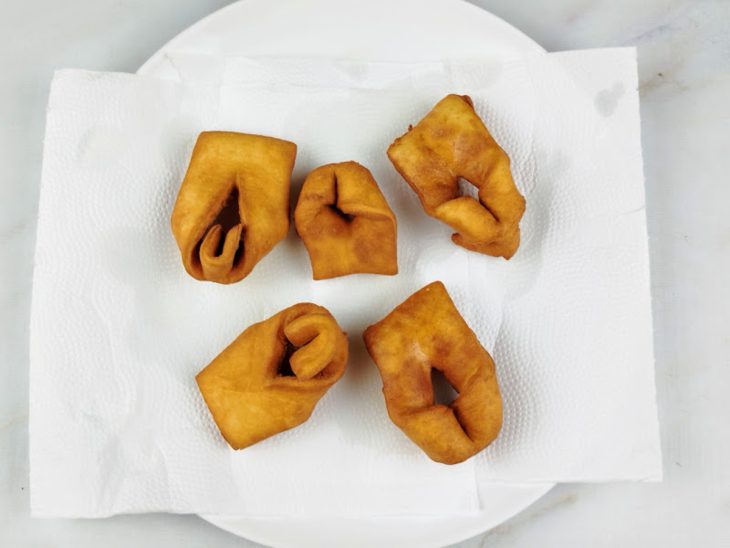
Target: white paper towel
x: 118, y: 330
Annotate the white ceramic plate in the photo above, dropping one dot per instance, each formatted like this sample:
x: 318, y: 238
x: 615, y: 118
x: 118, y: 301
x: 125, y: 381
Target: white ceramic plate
x: 385, y: 30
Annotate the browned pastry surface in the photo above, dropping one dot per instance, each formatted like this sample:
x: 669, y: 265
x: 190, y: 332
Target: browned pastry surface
x: 424, y: 332
x: 233, y: 205
x: 452, y: 142
x: 271, y: 377
x: 345, y: 222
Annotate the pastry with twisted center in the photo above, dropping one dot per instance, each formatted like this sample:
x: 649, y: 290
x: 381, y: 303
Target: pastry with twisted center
x: 427, y: 332
x: 271, y: 377
x: 233, y: 205
x: 452, y: 142
x: 345, y: 222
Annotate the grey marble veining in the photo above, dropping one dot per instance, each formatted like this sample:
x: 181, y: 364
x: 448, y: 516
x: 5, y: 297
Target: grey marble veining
x: 684, y: 65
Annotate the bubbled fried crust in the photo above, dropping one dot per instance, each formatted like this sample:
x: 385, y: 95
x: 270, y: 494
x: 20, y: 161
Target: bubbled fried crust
x: 233, y: 205
x: 345, y: 222
x: 450, y: 143
x: 271, y: 377
x: 424, y: 332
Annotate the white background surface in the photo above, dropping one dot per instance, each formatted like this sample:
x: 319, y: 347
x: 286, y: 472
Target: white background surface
x: 684, y: 58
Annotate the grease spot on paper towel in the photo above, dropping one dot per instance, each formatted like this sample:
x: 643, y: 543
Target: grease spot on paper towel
x: 176, y: 142
x: 540, y: 190
x: 474, y: 74
x: 607, y: 100
x: 100, y: 146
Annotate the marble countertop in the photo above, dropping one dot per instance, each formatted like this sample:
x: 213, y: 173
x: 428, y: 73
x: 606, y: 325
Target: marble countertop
x: 684, y: 66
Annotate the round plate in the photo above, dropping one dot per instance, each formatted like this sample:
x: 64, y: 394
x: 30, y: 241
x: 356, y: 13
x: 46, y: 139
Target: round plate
x: 384, y: 30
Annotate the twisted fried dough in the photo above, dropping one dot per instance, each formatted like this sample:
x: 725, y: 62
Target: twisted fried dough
x: 345, y: 222
x: 452, y: 142
x: 424, y: 332
x: 233, y: 205
x: 271, y: 377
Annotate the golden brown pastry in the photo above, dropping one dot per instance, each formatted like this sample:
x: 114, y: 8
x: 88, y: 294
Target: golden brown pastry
x: 345, y: 222
x: 233, y: 205
x: 270, y: 378
x: 424, y: 332
x: 451, y: 142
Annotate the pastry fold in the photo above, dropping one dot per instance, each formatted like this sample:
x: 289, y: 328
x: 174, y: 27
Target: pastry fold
x: 345, y: 222
x: 271, y: 377
x: 427, y: 332
x: 233, y: 205
x: 450, y: 143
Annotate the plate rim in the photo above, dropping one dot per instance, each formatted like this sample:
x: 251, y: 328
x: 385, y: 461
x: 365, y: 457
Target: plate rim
x: 465, y: 533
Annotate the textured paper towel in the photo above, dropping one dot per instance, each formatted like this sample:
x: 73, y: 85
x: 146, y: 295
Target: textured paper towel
x: 119, y: 330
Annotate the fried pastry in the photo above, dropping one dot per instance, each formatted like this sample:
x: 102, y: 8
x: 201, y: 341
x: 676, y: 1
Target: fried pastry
x: 233, y: 205
x: 452, y: 142
x: 271, y: 377
x: 427, y: 332
x: 345, y: 222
